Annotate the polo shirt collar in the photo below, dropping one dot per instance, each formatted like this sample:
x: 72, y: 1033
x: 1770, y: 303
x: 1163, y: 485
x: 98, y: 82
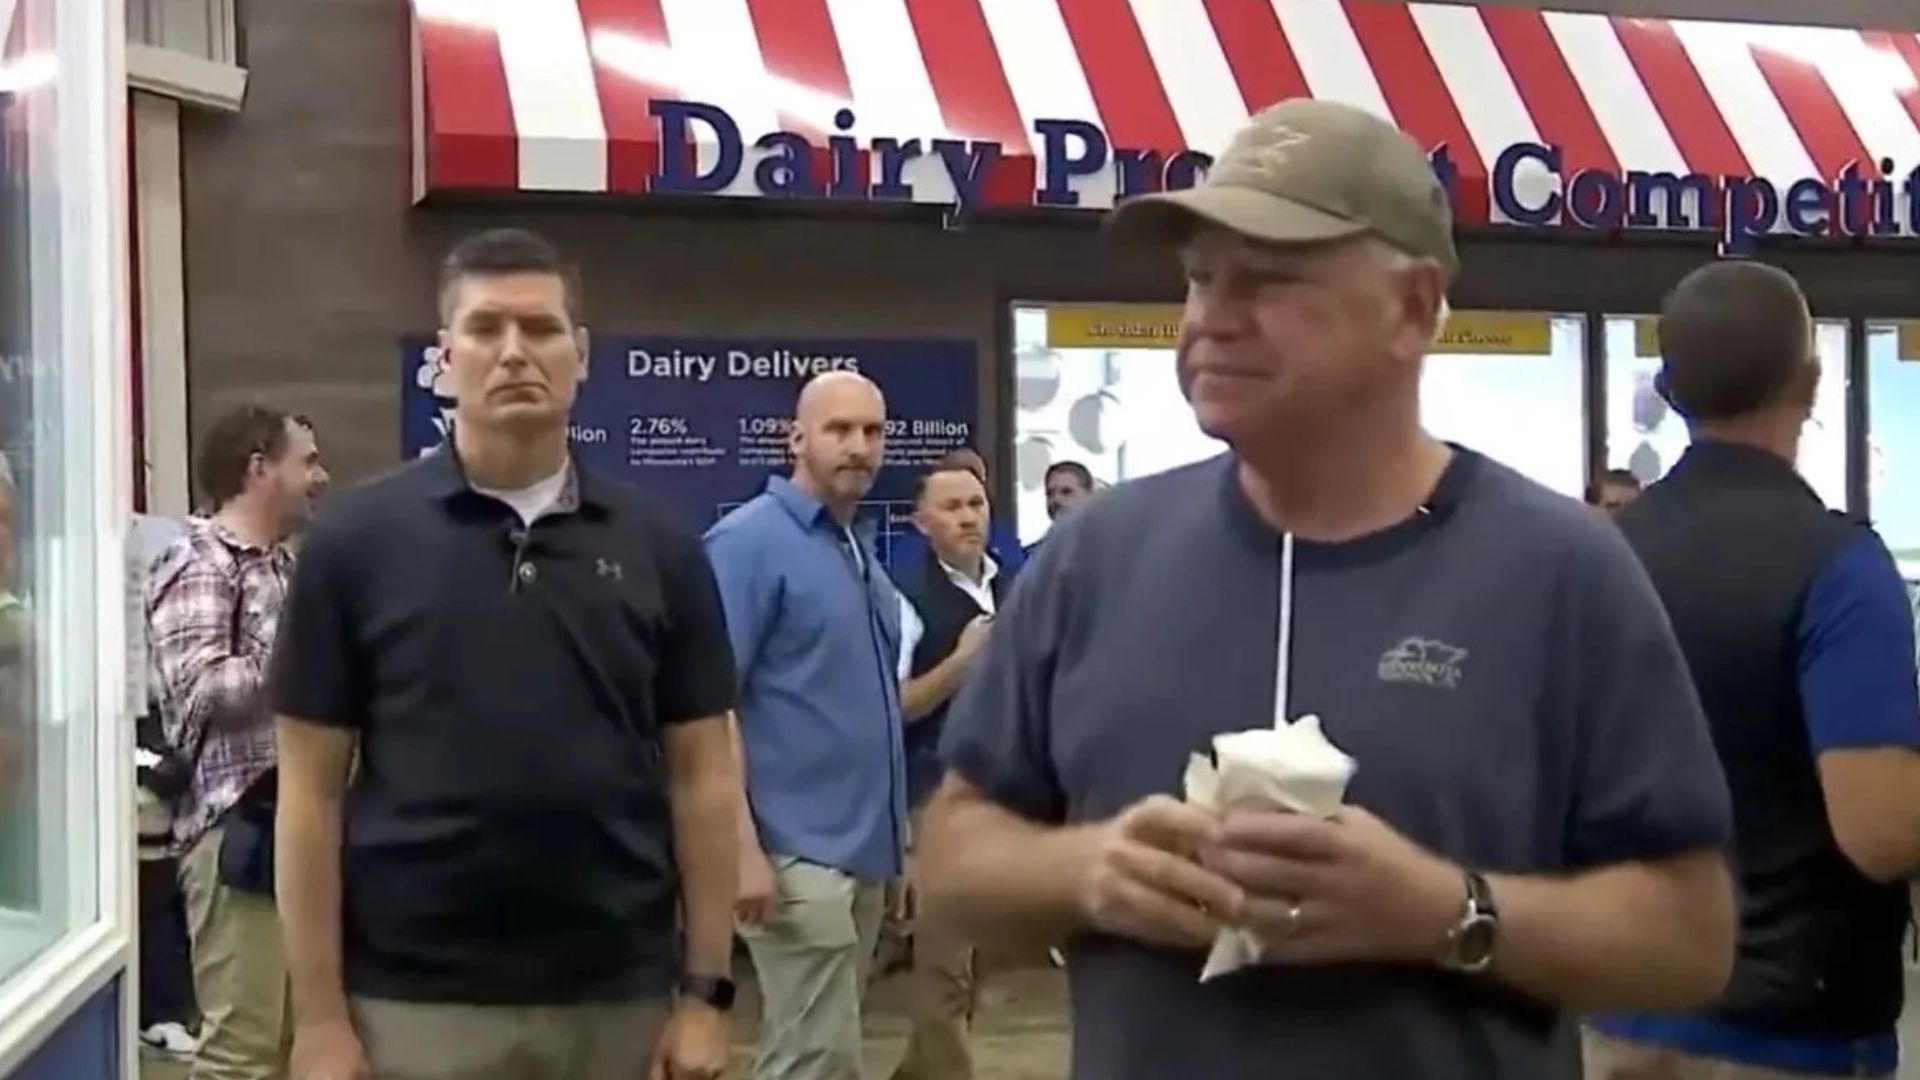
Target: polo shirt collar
x: 446, y: 478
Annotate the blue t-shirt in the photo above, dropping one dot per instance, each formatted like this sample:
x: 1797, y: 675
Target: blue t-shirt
x: 1858, y: 691
x: 1498, y: 665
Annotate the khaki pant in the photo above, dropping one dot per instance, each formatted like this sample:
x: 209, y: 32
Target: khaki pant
x: 942, y: 993
x: 239, y: 973
x: 1608, y: 1058
x: 406, y: 1040
x: 812, y: 956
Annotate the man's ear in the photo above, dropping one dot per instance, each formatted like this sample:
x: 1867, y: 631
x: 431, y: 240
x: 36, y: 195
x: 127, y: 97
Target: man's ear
x: 1426, y: 302
x: 583, y: 340
x: 1804, y: 391
x: 444, y: 339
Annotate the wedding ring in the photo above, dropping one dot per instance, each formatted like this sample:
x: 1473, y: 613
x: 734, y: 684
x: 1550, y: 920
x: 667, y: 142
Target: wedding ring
x: 1293, y: 919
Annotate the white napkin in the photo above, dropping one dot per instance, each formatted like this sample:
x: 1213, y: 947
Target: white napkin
x: 1293, y: 768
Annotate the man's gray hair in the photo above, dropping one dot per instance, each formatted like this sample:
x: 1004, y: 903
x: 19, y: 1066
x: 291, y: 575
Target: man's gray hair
x: 1395, y: 259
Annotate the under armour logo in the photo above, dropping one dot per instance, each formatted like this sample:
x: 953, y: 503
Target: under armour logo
x: 608, y: 568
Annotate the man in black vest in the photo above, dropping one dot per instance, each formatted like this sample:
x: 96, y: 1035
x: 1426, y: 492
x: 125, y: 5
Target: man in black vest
x: 1795, y: 623
x: 946, y: 609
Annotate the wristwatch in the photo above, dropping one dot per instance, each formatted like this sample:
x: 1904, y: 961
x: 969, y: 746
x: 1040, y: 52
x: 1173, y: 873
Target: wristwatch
x: 1470, y: 943
x: 715, y: 991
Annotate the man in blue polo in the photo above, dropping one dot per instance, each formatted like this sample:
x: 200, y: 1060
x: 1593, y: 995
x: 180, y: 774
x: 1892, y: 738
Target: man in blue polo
x: 1797, y: 628
x: 1537, y: 820
x: 815, y: 624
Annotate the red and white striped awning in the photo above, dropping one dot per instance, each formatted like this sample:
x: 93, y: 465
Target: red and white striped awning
x: 555, y: 95
x: 26, y: 66
x: 19, y: 73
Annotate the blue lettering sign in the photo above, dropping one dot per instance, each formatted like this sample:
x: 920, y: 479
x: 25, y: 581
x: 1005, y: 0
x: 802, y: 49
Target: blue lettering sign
x: 1863, y: 199
x: 968, y: 165
x: 1912, y: 191
x: 679, y: 172
x: 699, y: 423
x: 787, y: 170
x: 1445, y: 171
x: 1753, y: 206
x: 1810, y: 207
x: 1141, y: 171
x: 1672, y: 190
x: 1597, y: 200
x: 1507, y: 201
x: 848, y: 183
x: 1060, y: 138
x: 1185, y: 169
x: 891, y: 157
x: 1856, y: 212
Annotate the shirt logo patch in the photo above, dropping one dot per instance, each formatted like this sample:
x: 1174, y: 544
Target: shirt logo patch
x: 1424, y: 662
x: 609, y: 568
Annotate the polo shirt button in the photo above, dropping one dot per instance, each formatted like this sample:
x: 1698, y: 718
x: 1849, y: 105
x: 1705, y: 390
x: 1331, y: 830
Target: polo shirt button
x: 528, y: 573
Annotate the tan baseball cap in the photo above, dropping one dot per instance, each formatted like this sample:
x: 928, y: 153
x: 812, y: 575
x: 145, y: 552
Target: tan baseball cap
x: 1306, y: 171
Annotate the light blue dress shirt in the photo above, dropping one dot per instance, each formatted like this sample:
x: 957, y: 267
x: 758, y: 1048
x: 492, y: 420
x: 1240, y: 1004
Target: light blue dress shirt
x: 815, y: 624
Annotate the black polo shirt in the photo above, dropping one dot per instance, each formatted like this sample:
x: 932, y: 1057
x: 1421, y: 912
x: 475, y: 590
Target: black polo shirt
x: 508, y: 834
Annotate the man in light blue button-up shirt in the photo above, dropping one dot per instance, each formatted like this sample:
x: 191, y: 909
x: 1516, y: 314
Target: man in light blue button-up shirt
x: 815, y: 623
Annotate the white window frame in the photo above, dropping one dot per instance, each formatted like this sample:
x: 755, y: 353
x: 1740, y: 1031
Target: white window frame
x: 41, y: 996
x: 160, y: 281
x: 186, y: 50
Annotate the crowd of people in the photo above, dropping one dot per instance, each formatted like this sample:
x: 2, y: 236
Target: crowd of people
x: 486, y: 780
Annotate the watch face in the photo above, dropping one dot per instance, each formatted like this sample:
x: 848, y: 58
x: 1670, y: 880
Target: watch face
x: 1473, y: 945
x: 709, y: 990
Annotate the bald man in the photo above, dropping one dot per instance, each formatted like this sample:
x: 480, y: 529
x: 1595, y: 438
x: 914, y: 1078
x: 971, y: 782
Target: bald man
x: 815, y: 623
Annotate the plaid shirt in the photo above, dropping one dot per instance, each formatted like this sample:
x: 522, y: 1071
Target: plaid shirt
x: 213, y: 603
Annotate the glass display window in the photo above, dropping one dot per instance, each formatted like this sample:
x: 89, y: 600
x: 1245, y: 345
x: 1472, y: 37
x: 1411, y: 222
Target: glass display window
x: 1645, y: 435
x: 1893, y: 439
x: 1512, y: 385
x: 1096, y: 384
x: 65, y: 748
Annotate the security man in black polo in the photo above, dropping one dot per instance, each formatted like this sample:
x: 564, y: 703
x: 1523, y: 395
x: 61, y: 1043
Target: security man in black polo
x: 1795, y: 624
x: 946, y: 609
x: 532, y: 869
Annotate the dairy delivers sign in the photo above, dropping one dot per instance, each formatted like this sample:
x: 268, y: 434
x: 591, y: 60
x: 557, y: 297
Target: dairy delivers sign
x: 701, y: 422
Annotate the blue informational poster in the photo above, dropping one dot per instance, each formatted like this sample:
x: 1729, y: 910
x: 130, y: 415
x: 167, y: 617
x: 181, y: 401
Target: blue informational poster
x: 701, y: 422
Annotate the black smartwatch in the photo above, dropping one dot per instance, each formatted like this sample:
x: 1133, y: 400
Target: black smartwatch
x: 715, y: 991
x: 1470, y: 943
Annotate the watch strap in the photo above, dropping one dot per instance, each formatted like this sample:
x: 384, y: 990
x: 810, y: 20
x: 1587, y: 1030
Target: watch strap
x: 1470, y: 944
x: 715, y: 990
x: 1480, y: 896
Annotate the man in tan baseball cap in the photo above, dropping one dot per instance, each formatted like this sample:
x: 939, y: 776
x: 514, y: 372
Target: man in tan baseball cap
x: 1306, y: 171
x: 1536, y: 822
